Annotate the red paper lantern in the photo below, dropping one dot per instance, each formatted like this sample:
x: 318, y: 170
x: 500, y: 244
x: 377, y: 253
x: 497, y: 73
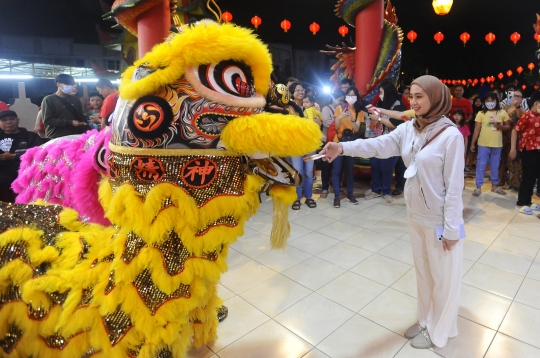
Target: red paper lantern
x: 500, y: 75
x: 515, y: 38
x: 524, y: 87
x: 492, y: 78
x: 464, y: 37
x: 463, y: 82
x: 469, y: 80
x: 488, y: 79
x: 530, y: 66
x: 286, y: 25
x: 537, y: 37
x: 314, y: 27
x: 519, y: 70
x: 226, y: 16
x: 343, y: 30
x: 502, y: 86
x: 439, y: 37
x: 443, y: 81
x: 256, y: 21
x: 490, y: 38
x: 509, y: 73
x: 411, y: 35
x: 536, y: 87
x: 482, y: 80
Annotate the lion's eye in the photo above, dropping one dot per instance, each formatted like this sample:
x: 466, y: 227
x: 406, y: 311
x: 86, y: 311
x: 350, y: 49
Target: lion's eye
x: 229, y: 77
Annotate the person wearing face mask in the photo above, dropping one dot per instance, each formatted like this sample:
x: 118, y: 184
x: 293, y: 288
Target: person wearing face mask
x: 432, y: 149
x: 62, y: 112
x: 347, y: 121
x: 528, y: 130
x: 490, y: 122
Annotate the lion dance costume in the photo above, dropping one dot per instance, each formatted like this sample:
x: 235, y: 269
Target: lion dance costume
x: 127, y: 265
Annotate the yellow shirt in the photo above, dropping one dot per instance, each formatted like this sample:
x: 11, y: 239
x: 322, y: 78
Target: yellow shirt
x: 488, y: 136
x: 312, y: 113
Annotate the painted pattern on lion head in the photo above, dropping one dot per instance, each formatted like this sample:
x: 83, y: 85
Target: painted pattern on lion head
x: 186, y: 90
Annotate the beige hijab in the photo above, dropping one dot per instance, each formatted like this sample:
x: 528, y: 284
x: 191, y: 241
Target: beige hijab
x: 439, y: 97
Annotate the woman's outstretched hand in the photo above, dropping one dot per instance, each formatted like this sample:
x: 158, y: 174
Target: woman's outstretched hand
x: 331, y: 151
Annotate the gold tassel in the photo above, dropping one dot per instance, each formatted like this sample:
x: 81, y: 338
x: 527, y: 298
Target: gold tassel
x: 281, y: 229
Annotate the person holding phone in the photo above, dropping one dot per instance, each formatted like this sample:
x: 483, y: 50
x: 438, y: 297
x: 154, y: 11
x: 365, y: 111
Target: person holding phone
x: 14, y: 141
x: 432, y: 149
x: 348, y: 117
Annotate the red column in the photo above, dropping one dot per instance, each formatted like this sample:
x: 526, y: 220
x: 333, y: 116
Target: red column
x: 369, y: 31
x: 153, y: 26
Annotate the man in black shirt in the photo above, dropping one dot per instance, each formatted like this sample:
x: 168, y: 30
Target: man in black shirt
x: 14, y: 141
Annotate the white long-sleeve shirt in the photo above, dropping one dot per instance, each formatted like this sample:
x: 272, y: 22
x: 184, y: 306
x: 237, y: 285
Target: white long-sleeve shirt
x: 434, y: 195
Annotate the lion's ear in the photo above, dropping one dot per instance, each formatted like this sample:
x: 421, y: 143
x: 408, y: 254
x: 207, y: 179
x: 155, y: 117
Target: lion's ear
x: 142, y: 71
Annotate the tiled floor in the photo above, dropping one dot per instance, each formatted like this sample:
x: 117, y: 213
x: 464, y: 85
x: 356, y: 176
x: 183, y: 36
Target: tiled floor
x: 346, y: 287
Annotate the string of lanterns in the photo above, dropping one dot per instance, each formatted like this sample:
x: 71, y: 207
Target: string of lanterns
x: 491, y: 79
x: 286, y: 25
x: 465, y: 37
x: 343, y: 30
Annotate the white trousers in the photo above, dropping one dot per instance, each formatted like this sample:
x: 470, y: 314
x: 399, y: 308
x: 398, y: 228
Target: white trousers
x: 438, y: 275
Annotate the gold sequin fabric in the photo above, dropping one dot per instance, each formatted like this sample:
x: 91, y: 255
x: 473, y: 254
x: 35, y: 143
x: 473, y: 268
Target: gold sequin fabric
x: 86, y: 296
x: 117, y: 324
x: 111, y: 284
x: 132, y: 247
x: 44, y: 217
x: 203, y: 177
x: 12, y: 293
x: 134, y: 352
x: 13, y: 251
x: 228, y: 221
x: 152, y: 296
x: 11, y: 338
x: 58, y: 298
x: 174, y: 254
x: 56, y: 341
x: 84, y: 249
x: 164, y: 353
x: 38, y: 313
x: 90, y: 353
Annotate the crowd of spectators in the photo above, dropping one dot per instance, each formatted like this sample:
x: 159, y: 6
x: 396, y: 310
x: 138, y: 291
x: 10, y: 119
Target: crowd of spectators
x: 61, y: 114
x: 492, y: 138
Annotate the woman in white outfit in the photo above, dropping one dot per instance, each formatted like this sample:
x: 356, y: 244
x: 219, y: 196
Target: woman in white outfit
x: 432, y: 148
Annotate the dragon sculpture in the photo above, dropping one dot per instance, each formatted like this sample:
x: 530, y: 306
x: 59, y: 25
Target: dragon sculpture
x: 127, y: 265
x: 380, y: 52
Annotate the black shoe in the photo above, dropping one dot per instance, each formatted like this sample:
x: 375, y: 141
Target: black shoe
x: 397, y: 192
x: 337, y: 203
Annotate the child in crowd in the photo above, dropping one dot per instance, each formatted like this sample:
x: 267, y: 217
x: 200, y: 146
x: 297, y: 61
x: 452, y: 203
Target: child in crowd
x: 94, y: 114
x: 459, y: 119
x: 490, y: 122
x: 310, y: 111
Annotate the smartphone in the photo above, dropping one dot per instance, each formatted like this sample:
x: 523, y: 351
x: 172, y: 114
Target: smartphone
x: 510, y: 97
